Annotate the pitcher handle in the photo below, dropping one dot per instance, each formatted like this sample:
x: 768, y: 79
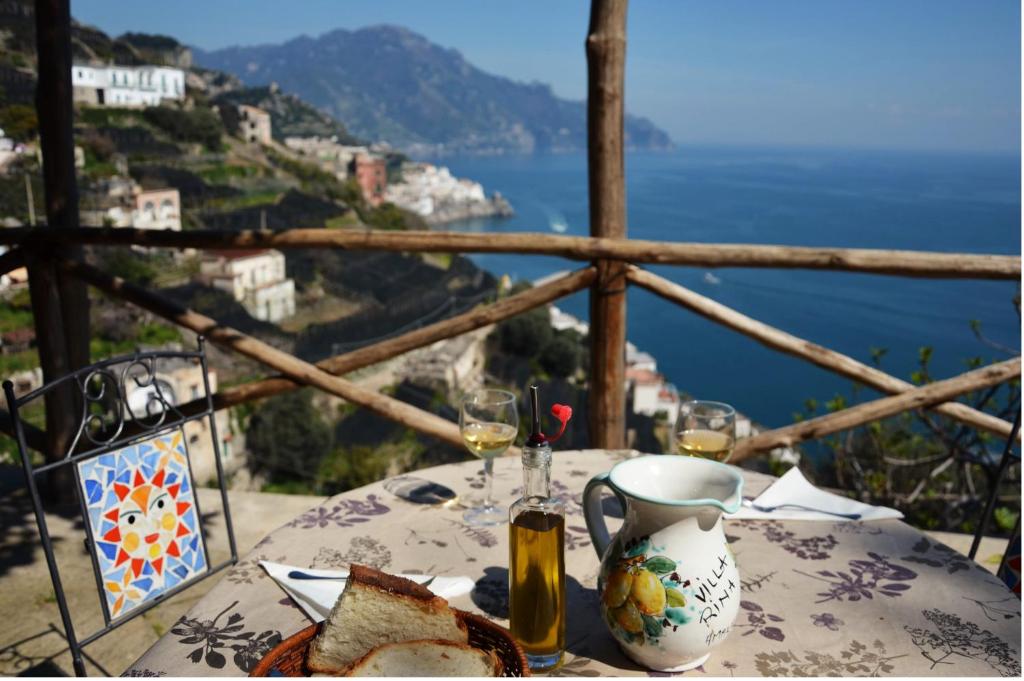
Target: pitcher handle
x: 593, y: 514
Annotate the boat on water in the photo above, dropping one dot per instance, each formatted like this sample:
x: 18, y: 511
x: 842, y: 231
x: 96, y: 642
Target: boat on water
x: 711, y: 279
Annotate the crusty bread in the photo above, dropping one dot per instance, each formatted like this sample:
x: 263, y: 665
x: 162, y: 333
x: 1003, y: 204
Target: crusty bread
x: 376, y: 608
x: 426, y: 658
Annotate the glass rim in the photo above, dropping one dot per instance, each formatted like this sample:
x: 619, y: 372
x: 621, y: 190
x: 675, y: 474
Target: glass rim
x: 723, y: 408
x: 497, y: 395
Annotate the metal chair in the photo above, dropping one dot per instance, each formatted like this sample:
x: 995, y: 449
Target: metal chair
x: 133, y: 481
x: 1009, y: 567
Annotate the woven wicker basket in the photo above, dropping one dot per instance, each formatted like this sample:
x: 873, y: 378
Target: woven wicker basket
x: 288, y: 658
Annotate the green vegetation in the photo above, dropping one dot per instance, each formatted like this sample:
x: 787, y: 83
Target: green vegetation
x: 145, y: 268
x: 935, y: 470
x: 229, y: 203
x: 14, y: 315
x: 563, y: 355
x: 199, y: 125
x: 288, y: 437
x: 525, y: 334
x: 558, y: 354
x: 18, y: 361
x: 19, y: 122
x: 348, y: 467
x: 145, y: 335
x: 388, y: 216
x: 109, y: 116
x: 226, y: 172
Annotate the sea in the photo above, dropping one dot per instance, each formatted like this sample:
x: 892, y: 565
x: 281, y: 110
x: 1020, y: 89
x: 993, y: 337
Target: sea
x: 950, y: 202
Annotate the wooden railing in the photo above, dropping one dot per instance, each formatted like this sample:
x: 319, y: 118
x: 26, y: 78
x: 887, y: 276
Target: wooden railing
x: 58, y: 274
x: 327, y: 374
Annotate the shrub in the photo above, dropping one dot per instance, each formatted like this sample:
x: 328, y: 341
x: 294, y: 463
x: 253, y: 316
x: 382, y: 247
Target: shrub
x: 198, y: 125
x: 527, y: 334
x: 19, y: 122
x: 288, y: 437
x: 561, y: 356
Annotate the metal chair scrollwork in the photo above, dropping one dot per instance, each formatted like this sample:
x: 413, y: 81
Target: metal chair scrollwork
x: 133, y: 482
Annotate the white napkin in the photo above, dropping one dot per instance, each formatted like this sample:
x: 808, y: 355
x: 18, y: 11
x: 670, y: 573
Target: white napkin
x: 316, y: 597
x: 793, y: 488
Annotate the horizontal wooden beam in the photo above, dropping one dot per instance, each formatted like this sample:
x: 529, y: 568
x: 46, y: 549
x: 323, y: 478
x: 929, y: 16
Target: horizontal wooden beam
x: 875, y: 261
x: 300, y: 372
x: 918, y: 398
x: 812, y: 352
x: 393, y: 347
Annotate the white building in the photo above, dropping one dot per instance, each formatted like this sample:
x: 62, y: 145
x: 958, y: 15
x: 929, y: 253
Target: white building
x: 254, y: 125
x: 157, y: 209
x: 115, y: 85
x: 638, y: 359
x: 427, y: 189
x: 254, y: 278
x: 126, y: 204
x: 560, y: 321
x: 651, y: 394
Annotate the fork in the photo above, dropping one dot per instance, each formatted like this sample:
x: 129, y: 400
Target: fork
x: 769, y: 509
x: 299, y: 574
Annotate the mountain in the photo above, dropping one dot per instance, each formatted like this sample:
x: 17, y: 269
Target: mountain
x: 390, y: 84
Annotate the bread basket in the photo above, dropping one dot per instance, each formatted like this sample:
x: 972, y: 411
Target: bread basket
x: 288, y: 658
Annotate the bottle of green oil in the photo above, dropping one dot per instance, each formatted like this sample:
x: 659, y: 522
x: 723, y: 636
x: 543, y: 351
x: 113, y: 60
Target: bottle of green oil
x: 537, y: 556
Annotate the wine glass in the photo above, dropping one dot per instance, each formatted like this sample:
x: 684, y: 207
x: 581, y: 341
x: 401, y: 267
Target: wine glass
x: 706, y: 429
x: 489, y: 423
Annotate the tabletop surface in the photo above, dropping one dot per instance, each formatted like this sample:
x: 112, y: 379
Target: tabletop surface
x: 819, y: 598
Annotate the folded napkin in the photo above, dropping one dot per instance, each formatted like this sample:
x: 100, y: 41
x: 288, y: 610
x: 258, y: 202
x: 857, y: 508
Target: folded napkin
x: 793, y: 488
x: 316, y: 597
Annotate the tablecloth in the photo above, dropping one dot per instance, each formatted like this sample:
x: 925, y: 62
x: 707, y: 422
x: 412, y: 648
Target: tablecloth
x: 819, y: 598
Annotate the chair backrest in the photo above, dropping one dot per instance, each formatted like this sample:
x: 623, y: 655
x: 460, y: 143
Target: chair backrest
x: 133, y: 480
x: 1009, y: 568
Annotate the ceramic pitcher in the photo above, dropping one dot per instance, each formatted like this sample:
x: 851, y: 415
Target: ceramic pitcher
x: 668, y: 583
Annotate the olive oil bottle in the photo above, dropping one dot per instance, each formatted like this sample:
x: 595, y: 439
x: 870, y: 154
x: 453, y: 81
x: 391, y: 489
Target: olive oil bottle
x: 537, y: 557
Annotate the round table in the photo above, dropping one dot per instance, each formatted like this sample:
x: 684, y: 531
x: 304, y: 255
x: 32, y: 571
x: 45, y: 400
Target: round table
x: 818, y: 598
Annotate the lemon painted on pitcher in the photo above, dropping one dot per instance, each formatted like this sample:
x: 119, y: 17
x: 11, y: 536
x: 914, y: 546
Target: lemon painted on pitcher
x: 641, y: 597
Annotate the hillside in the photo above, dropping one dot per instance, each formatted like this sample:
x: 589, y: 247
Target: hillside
x: 388, y: 83
x: 291, y: 116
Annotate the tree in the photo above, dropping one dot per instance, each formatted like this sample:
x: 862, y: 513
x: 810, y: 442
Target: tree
x: 526, y: 334
x: 198, y: 125
x: 561, y: 356
x: 19, y: 122
x: 938, y: 471
x: 288, y: 437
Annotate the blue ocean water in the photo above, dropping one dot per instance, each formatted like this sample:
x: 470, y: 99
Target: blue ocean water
x: 903, y: 200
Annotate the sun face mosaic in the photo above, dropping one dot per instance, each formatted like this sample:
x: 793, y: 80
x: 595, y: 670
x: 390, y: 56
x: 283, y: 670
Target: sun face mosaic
x: 143, y: 520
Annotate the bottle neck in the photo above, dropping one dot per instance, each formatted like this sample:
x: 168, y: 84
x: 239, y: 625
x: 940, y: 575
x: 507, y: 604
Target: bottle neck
x: 537, y: 481
x: 537, y: 472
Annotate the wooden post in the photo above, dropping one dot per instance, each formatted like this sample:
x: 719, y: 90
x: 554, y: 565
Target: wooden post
x: 606, y: 66
x: 60, y: 304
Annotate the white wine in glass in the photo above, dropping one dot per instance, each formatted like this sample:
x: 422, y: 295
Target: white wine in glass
x: 707, y: 444
x: 706, y: 430
x: 489, y: 423
x: 488, y: 439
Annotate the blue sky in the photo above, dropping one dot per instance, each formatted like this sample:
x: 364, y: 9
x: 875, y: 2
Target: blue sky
x: 907, y: 74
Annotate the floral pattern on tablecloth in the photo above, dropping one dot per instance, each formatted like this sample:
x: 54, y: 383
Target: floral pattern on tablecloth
x: 819, y: 597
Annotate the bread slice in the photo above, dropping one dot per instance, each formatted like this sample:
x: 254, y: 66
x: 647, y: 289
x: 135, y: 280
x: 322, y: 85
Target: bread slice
x: 426, y: 658
x: 377, y: 608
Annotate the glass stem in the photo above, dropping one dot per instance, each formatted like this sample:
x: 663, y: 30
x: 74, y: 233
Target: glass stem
x: 489, y: 475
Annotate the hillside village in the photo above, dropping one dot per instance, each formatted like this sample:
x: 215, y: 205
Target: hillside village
x: 161, y: 144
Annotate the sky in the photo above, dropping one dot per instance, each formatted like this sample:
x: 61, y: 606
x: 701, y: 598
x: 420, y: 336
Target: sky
x: 910, y: 74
